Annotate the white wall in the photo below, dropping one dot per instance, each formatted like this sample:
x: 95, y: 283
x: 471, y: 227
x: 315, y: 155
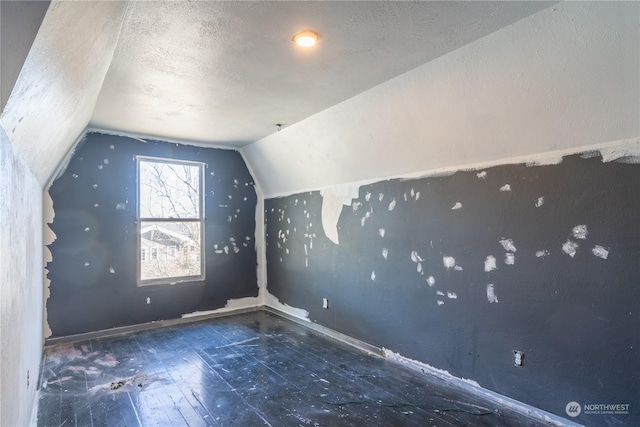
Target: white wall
x: 48, y: 109
x: 58, y: 86
x: 21, y: 293
x: 564, y: 77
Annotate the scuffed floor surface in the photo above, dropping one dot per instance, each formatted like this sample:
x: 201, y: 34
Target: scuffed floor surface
x: 246, y: 370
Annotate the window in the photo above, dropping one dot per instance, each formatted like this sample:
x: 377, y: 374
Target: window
x: 171, y: 252
x: 170, y: 221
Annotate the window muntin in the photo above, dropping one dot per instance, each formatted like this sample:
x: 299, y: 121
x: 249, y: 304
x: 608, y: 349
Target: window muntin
x: 170, y: 221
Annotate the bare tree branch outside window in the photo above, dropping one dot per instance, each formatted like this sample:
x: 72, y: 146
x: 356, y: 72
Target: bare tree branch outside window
x: 170, y: 220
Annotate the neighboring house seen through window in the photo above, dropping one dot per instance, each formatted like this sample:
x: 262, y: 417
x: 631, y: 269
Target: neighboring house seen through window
x: 170, y: 220
x: 171, y: 252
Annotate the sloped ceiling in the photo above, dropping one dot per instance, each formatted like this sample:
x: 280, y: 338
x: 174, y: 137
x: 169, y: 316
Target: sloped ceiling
x: 19, y: 24
x: 227, y: 72
x: 55, y: 94
x: 565, y: 78
x: 223, y: 73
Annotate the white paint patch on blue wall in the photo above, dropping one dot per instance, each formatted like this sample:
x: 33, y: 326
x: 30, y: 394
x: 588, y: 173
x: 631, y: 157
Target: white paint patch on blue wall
x: 491, y: 293
x: 570, y: 248
x: 626, y: 152
x: 274, y: 302
x: 600, y: 252
x: 510, y: 258
x: 580, y: 232
x: 490, y: 263
x: 21, y: 290
x: 333, y: 200
x: 449, y: 261
x: 508, y: 245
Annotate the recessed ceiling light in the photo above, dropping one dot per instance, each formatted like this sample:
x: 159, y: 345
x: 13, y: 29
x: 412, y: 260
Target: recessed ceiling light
x: 305, y: 38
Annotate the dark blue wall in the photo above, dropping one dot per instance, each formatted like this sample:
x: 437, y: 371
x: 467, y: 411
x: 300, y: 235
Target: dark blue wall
x: 104, y: 294
x: 575, y: 318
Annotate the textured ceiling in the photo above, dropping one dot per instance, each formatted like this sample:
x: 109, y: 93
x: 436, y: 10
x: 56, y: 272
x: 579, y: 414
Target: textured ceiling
x: 226, y: 72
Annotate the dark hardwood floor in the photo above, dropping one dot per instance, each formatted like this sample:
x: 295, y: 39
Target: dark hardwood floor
x: 252, y: 369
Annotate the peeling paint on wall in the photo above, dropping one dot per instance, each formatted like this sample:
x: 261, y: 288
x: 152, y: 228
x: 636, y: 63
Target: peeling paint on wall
x: 600, y: 252
x: 449, y: 261
x: 542, y: 254
x: 508, y: 245
x: 447, y: 311
x: 95, y: 254
x: 48, y: 237
x: 490, y: 263
x: 272, y: 301
x: 491, y: 294
x: 627, y: 151
x: 232, y: 305
x: 440, y: 373
x: 333, y: 199
x: 570, y: 248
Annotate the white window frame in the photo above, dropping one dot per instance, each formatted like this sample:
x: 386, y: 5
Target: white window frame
x: 140, y: 219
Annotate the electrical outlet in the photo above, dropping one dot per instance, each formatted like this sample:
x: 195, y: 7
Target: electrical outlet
x: 325, y: 303
x: 148, y: 300
x: 518, y: 358
x: 28, y: 378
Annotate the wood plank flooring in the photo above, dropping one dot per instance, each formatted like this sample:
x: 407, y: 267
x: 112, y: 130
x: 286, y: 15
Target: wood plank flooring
x: 253, y: 369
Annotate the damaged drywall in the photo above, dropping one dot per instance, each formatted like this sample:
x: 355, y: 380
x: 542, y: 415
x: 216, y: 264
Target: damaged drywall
x: 20, y: 285
x: 48, y: 238
x: 232, y: 305
x: 333, y: 198
x: 474, y: 387
x: 92, y: 271
x: 536, y: 258
x: 273, y: 302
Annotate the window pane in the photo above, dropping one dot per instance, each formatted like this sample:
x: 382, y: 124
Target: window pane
x: 169, y: 190
x: 174, y: 247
